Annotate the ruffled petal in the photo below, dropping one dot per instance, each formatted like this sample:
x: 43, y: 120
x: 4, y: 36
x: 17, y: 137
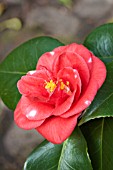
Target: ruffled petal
x: 46, y: 60
x: 64, y: 98
x: 68, y: 59
x: 57, y: 129
x: 77, y: 49
x: 33, y: 84
x: 98, y: 76
x: 22, y: 121
x: 66, y: 105
x: 33, y: 109
x: 83, y: 52
x: 58, y: 97
x: 70, y: 75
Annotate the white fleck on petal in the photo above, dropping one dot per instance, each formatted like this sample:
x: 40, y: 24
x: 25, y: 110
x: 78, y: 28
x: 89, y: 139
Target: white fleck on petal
x: 32, y: 72
x: 87, y: 102
x: 74, y: 70
x: 75, y: 76
x: 90, y: 60
x: 32, y: 113
x: 52, y: 52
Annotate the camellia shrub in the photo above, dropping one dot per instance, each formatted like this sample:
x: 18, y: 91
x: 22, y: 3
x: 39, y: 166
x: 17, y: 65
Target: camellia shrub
x: 64, y: 92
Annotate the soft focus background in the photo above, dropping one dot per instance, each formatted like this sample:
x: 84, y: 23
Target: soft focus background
x: 67, y: 20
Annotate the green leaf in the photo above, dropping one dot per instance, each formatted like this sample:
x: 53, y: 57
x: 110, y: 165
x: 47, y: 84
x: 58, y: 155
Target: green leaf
x: 102, y: 105
x: 44, y: 157
x: 71, y: 155
x: 18, y: 63
x: 74, y: 155
x: 100, y: 42
x: 99, y: 136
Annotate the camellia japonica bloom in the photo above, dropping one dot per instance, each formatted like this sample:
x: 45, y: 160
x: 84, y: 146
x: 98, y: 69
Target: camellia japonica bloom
x: 54, y: 95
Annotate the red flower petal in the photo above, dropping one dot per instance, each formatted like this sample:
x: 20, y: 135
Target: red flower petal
x: 67, y: 74
x: 35, y: 110
x: 57, y: 129
x: 58, y: 97
x: 77, y: 49
x: 33, y: 84
x: 98, y: 76
x: 72, y: 76
x: 46, y: 60
x: 22, y: 121
x: 74, y: 61
x: 63, y: 99
x: 62, y: 108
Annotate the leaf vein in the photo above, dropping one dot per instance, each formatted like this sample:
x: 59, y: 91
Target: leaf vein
x: 68, y: 164
x: 12, y: 72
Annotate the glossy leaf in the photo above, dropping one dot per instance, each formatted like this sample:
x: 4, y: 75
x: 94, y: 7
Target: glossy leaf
x: 44, y: 157
x: 72, y: 154
x: 100, y: 42
x: 18, y: 63
x: 99, y: 137
x: 102, y: 105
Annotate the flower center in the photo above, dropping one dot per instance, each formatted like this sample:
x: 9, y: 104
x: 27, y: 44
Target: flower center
x: 51, y: 85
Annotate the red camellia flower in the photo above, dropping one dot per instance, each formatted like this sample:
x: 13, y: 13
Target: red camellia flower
x: 54, y: 95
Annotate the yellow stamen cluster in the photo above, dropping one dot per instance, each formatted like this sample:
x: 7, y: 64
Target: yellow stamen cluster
x: 50, y: 86
x: 62, y: 85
